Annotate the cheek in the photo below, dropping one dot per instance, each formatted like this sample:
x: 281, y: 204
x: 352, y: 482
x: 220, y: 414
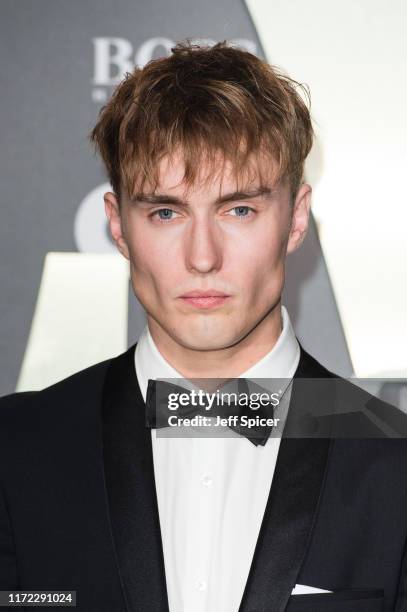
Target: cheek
x: 153, y: 273
x: 260, y: 269
x: 258, y: 256
x: 151, y: 246
x: 145, y: 251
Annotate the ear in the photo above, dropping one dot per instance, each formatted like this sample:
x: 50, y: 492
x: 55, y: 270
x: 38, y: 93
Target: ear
x: 115, y: 223
x: 300, y: 217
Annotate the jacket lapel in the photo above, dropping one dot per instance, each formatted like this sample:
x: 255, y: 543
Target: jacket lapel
x: 130, y: 489
x: 290, y: 511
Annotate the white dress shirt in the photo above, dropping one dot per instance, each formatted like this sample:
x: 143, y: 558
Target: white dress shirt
x: 212, y: 491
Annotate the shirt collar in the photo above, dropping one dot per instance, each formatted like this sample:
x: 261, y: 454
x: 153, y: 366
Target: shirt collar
x: 280, y: 362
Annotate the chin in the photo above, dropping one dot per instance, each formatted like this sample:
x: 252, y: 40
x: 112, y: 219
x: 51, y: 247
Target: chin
x: 205, y: 338
x: 204, y: 344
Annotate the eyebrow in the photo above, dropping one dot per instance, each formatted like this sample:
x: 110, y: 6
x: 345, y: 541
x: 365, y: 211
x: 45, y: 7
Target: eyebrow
x: 235, y: 196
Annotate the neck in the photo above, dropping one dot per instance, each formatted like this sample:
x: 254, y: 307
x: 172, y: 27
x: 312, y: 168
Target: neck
x: 228, y: 362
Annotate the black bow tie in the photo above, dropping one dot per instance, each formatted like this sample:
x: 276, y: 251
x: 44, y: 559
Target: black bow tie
x: 158, y: 411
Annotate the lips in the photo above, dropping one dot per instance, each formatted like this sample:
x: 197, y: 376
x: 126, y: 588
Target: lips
x: 209, y: 298
x: 200, y: 293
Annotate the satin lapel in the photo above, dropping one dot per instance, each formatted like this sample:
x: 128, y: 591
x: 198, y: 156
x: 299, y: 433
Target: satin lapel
x: 290, y: 512
x: 130, y: 488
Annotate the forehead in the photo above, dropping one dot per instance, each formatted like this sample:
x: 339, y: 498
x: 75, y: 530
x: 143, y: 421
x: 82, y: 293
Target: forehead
x: 215, y: 174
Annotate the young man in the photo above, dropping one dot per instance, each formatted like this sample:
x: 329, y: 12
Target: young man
x: 205, y: 152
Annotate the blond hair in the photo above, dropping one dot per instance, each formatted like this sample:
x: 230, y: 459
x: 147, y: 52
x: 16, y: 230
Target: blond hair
x: 204, y: 100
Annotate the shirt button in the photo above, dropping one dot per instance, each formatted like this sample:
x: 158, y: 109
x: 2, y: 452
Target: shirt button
x: 206, y: 480
x: 200, y: 585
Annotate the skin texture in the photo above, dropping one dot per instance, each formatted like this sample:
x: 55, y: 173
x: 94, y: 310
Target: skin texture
x: 199, y: 242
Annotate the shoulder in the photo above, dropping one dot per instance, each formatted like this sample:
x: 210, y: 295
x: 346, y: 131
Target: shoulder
x: 347, y: 403
x: 310, y: 367
x: 53, y: 423
x: 75, y: 395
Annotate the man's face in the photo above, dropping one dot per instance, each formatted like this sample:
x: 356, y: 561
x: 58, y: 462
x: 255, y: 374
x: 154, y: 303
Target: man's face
x: 211, y: 238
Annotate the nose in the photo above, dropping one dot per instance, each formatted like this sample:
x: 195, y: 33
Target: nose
x: 203, y: 248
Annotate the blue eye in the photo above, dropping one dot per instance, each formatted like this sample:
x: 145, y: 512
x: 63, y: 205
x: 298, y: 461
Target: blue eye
x: 163, y: 214
x: 166, y: 213
x: 244, y: 209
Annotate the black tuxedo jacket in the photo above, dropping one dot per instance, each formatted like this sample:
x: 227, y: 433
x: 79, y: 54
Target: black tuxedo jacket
x: 78, y: 507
